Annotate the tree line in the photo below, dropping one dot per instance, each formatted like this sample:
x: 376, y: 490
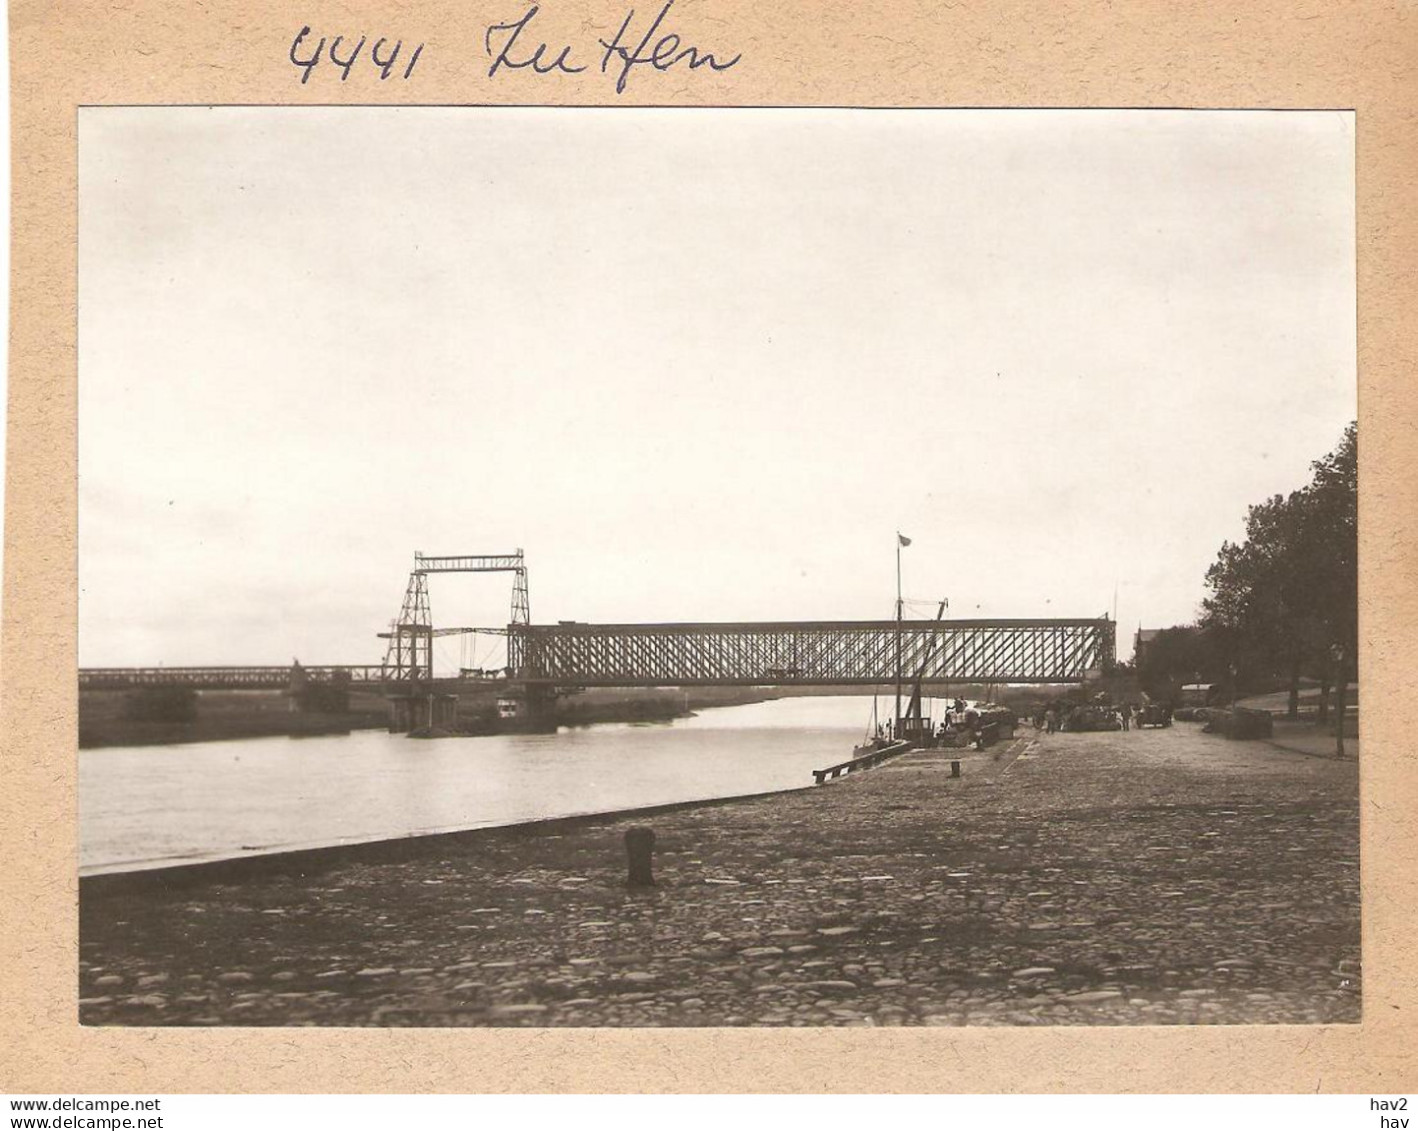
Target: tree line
x: 1282, y: 604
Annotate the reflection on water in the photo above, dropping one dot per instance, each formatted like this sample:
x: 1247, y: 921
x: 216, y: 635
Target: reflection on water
x: 142, y: 806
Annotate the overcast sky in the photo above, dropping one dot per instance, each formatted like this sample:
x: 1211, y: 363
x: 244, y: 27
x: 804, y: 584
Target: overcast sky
x: 700, y: 364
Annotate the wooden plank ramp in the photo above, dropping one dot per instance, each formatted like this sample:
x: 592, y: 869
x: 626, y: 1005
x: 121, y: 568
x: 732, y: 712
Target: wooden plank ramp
x: 863, y: 762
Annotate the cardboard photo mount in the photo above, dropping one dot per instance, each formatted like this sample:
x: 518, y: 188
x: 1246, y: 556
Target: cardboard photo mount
x: 1084, y: 53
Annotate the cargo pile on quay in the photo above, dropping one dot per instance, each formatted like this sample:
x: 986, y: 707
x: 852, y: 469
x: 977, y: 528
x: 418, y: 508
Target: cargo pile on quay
x: 1154, y: 877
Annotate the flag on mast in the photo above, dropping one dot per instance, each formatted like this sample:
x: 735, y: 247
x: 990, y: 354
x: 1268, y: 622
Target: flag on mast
x: 902, y: 539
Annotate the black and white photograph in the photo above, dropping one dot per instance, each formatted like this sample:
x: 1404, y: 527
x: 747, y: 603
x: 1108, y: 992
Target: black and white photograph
x: 715, y: 567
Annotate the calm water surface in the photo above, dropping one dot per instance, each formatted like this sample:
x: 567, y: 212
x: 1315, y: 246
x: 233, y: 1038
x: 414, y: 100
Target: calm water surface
x: 152, y: 805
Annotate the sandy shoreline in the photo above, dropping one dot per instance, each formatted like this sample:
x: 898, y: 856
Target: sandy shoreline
x: 1141, y: 878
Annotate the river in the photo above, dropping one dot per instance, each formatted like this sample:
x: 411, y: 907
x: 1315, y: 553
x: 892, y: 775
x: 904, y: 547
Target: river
x: 149, y: 806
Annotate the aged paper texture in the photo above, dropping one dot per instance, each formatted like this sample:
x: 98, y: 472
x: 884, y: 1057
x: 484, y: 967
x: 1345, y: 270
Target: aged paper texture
x: 1291, y: 55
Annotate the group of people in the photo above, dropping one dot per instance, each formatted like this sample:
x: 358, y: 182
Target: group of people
x: 1056, y: 714
x: 963, y: 722
x: 960, y: 714
x: 1051, y: 719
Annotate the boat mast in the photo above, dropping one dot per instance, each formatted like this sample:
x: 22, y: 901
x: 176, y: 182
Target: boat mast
x: 897, y: 731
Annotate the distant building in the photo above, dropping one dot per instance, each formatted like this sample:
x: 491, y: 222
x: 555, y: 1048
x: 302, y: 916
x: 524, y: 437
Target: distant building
x: 1141, y: 643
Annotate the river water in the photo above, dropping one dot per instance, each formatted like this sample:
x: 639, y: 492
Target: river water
x: 148, y: 806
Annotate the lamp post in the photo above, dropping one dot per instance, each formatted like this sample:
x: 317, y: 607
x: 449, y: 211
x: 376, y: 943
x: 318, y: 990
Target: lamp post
x: 1336, y: 654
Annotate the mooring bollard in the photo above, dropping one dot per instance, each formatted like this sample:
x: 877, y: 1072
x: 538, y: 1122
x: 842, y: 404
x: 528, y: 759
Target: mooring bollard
x: 640, y: 850
x: 955, y: 769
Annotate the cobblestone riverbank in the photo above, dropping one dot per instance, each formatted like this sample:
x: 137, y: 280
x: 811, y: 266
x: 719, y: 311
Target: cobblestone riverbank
x: 1153, y: 877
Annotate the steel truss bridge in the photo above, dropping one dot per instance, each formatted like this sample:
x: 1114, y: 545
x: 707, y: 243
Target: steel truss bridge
x: 229, y: 678
x: 813, y: 653
x: 810, y: 653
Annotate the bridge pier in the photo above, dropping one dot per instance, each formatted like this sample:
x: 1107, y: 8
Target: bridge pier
x: 422, y: 710
x: 321, y: 698
x: 161, y: 705
x: 531, y: 707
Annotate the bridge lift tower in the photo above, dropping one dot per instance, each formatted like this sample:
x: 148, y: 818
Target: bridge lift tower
x: 408, y: 660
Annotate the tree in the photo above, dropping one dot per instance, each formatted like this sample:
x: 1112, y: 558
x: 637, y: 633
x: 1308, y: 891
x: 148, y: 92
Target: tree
x: 1329, y: 562
x: 1255, y: 613
x: 1286, y: 598
x: 1177, y: 655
